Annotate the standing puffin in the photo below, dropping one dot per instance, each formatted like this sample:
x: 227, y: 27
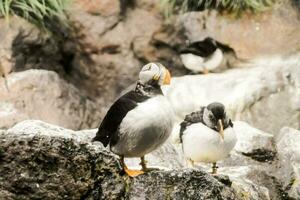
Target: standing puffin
x: 141, y: 120
x: 207, y: 135
x: 207, y: 55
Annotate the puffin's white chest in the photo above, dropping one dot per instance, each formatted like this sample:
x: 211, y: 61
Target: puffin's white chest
x: 156, y: 112
x: 198, y: 63
x: 202, y: 144
x: 192, y: 62
x: 145, y: 127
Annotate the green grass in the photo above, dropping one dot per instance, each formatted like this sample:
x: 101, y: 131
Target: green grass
x: 230, y: 6
x: 38, y: 12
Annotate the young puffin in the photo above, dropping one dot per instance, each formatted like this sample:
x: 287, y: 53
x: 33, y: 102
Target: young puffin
x: 207, y: 135
x: 207, y: 55
x: 141, y: 120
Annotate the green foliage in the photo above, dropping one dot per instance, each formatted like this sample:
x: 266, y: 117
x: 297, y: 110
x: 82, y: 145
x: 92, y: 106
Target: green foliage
x: 231, y: 6
x: 38, y: 12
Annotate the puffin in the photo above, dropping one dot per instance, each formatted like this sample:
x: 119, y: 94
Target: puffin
x: 207, y: 135
x: 207, y: 55
x: 141, y: 120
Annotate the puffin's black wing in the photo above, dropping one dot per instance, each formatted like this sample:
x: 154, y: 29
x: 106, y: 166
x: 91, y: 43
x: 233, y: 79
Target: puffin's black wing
x: 115, y: 115
x: 203, y: 48
x: 224, y: 47
x: 230, y: 123
x: 189, y: 119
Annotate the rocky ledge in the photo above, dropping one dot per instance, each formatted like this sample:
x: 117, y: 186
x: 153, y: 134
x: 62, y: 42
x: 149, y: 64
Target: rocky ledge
x: 43, y: 161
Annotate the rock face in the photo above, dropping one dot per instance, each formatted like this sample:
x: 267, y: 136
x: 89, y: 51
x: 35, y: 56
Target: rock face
x: 288, y: 146
x: 40, y: 94
x: 103, y: 51
x: 8, y: 34
x: 266, y: 96
x: 39, y: 160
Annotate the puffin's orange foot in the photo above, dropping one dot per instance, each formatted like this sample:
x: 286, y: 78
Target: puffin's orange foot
x: 205, y: 71
x: 133, y: 173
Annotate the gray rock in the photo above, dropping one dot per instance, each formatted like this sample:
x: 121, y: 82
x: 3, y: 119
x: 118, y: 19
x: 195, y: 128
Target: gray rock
x: 253, y: 148
x: 244, y: 186
x: 40, y: 94
x: 250, y: 138
x: 40, y: 160
x: 255, y: 182
x: 179, y: 184
x: 288, y: 147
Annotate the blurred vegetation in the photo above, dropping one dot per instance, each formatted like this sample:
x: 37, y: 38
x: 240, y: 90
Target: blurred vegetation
x: 231, y: 6
x: 42, y: 13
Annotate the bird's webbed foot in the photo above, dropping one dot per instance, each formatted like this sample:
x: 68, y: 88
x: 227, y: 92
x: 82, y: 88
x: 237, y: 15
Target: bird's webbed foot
x: 143, y: 163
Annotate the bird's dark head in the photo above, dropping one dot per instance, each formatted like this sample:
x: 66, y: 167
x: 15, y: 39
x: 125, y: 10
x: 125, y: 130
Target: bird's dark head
x: 215, y: 117
x: 155, y: 74
x: 210, y: 40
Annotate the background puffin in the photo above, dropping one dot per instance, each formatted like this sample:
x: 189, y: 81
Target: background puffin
x: 207, y: 55
x: 207, y: 135
x: 140, y: 120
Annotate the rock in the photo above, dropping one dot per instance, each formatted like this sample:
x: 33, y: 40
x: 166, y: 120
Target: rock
x: 282, y: 23
x: 288, y: 143
x: 23, y: 46
x: 40, y: 94
x: 250, y: 139
x: 254, y: 182
x: 112, y: 65
x: 179, y: 184
x: 265, y: 95
x: 7, y: 34
x: 99, y: 7
x: 254, y: 147
x: 244, y: 187
x: 252, y: 165
x: 40, y: 160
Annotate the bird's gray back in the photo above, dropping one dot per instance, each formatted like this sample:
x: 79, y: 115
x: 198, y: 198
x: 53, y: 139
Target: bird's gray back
x: 194, y: 117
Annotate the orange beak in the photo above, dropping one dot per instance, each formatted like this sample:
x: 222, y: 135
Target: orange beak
x: 167, y: 78
x: 221, y: 130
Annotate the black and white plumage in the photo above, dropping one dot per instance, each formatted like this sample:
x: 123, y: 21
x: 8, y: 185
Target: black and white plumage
x: 142, y: 119
x: 206, y: 55
x: 207, y: 135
